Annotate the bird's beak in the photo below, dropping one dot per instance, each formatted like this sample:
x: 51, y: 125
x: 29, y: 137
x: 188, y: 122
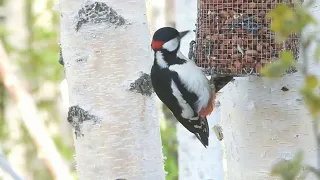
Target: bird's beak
x: 183, y: 33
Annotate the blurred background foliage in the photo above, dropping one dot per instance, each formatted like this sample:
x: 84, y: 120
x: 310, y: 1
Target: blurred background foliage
x: 36, y: 59
x: 169, y: 142
x: 29, y: 30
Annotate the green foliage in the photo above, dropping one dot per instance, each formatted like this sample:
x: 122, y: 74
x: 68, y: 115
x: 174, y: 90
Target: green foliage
x: 311, y: 97
x: 286, y: 20
x: 288, y: 170
x: 314, y: 171
x: 64, y: 148
x: 317, y: 53
x: 39, y: 65
x: 293, y: 169
x: 35, y: 163
x: 279, y: 67
x: 169, y: 141
x: 42, y: 55
x: 3, y: 31
x: 4, y: 132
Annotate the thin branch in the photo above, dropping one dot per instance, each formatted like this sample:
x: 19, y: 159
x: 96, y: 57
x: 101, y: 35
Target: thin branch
x: 31, y: 120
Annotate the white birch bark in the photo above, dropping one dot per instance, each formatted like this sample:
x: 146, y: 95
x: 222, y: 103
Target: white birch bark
x: 195, y: 161
x: 119, y: 136
x: 263, y: 124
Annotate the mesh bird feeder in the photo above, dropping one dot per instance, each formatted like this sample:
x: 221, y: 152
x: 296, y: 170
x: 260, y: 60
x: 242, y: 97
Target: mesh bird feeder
x: 234, y: 36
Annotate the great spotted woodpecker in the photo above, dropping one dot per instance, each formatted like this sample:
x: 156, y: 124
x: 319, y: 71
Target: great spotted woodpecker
x: 180, y: 84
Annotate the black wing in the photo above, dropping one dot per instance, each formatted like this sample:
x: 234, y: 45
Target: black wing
x: 190, y: 97
x: 161, y: 82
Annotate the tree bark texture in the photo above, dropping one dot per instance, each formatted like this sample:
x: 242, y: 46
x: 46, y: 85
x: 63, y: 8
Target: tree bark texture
x: 263, y: 124
x: 105, y: 49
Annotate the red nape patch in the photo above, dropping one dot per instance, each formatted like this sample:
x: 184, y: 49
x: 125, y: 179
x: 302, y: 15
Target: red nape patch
x: 157, y: 44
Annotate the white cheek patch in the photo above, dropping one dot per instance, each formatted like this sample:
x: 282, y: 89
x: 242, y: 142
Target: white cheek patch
x: 187, y: 111
x: 171, y: 45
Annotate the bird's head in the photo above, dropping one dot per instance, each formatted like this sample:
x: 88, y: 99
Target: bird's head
x: 167, y: 38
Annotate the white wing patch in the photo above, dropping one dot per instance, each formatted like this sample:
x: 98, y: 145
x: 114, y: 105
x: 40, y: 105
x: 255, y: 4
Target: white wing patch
x: 171, y: 45
x: 187, y: 111
x: 194, y: 80
x: 160, y: 61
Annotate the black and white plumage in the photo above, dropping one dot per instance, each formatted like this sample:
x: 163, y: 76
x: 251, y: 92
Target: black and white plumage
x: 180, y: 84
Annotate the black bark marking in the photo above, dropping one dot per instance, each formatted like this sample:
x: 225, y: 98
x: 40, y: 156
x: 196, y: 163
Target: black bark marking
x: 284, y: 88
x: 79, y: 60
x: 61, y: 57
x: 191, y: 54
x: 76, y: 116
x: 218, y: 82
x: 98, y: 12
x: 142, y: 85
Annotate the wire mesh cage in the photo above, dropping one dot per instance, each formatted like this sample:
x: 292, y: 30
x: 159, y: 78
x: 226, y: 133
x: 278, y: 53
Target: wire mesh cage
x: 234, y: 36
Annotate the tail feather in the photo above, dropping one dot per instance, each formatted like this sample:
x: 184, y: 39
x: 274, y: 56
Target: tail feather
x: 204, y: 141
x: 199, y: 128
x: 203, y: 132
x: 205, y: 126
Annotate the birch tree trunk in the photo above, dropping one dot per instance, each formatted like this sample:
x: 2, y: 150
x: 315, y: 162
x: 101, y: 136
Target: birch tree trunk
x: 105, y: 45
x: 263, y: 124
x: 195, y: 161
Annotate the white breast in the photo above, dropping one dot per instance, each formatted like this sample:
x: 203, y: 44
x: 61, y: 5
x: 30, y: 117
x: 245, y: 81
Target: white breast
x: 194, y: 80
